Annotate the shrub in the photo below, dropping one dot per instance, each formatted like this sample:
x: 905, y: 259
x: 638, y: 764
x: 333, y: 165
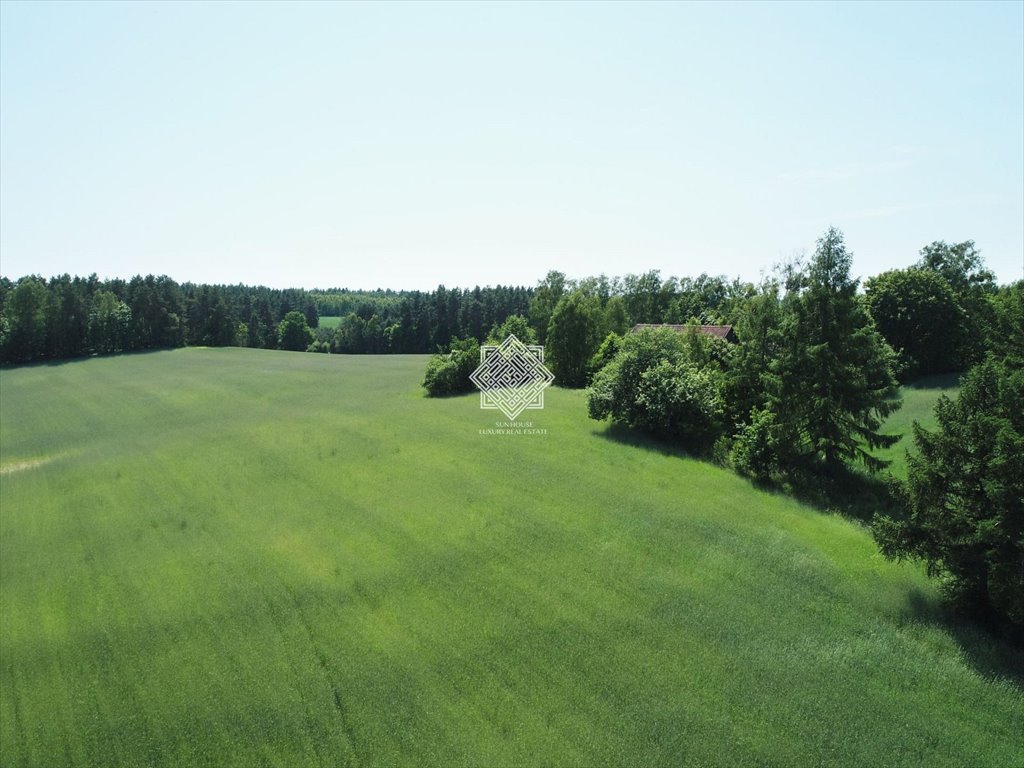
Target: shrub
x: 680, y: 401
x: 755, y: 451
x: 448, y: 373
x: 604, y: 355
x: 655, y: 384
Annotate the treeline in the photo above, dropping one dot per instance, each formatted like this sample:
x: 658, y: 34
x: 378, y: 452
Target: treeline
x: 940, y: 314
x: 64, y: 316
x: 68, y: 316
x: 73, y: 316
x: 417, y: 322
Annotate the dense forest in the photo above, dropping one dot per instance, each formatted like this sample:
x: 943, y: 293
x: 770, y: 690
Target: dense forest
x: 938, y: 314
x: 73, y: 316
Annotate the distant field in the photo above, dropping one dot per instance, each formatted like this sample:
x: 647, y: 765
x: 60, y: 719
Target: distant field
x: 330, y: 322
x: 247, y: 557
x: 919, y: 400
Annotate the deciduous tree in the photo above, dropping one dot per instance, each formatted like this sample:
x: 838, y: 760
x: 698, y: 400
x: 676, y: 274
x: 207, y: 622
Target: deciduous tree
x: 572, y: 338
x: 293, y: 333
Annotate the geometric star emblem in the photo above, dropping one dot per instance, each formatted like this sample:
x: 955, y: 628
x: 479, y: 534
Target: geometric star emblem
x: 512, y: 377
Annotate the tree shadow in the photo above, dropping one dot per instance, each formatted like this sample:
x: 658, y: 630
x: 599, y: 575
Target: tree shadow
x: 937, y: 381
x: 61, y: 361
x: 993, y: 651
x: 619, y: 433
x: 852, y: 493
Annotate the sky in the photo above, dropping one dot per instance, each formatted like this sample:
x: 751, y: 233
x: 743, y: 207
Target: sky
x: 407, y: 145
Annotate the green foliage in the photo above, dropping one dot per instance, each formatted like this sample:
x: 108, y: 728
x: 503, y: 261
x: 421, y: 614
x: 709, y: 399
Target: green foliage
x: 682, y: 402
x: 663, y: 382
x: 965, y: 501
x: 605, y: 354
x: 448, y: 373
x: 1006, y: 341
x: 755, y: 451
x: 293, y: 332
x: 962, y: 267
x: 514, y: 325
x: 919, y: 315
x: 545, y: 298
x: 833, y: 381
x: 573, y: 337
x: 616, y: 319
x: 109, y: 323
x: 960, y: 264
x: 707, y: 298
x: 612, y: 394
x: 25, y: 313
x: 757, y: 327
x: 645, y: 301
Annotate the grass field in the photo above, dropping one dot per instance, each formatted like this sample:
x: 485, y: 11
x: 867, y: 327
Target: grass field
x: 919, y: 400
x: 329, y: 322
x: 245, y: 557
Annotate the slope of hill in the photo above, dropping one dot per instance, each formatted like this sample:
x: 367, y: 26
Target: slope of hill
x: 242, y: 557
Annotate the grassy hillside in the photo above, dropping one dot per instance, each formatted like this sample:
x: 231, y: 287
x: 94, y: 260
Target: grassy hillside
x: 919, y: 400
x: 244, y: 557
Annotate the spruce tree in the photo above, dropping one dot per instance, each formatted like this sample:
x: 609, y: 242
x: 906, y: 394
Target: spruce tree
x: 833, y: 382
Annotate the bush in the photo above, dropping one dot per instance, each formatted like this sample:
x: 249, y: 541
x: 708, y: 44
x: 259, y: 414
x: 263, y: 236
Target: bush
x: 680, y: 401
x: 655, y: 384
x: 448, y: 373
x: 605, y: 354
x: 755, y: 451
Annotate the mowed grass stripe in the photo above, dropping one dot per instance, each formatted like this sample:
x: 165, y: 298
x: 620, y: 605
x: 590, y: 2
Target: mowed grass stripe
x: 250, y: 557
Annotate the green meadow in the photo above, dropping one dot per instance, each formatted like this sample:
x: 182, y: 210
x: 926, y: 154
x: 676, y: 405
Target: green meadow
x: 919, y: 399
x: 246, y: 557
x: 329, y: 321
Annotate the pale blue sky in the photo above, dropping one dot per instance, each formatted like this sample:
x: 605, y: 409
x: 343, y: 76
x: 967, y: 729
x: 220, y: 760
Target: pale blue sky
x: 405, y: 145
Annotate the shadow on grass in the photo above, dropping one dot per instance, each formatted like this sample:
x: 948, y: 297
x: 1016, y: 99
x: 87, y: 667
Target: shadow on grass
x: 60, y: 361
x: 935, y: 381
x: 851, y: 493
x: 619, y: 433
x: 993, y: 651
